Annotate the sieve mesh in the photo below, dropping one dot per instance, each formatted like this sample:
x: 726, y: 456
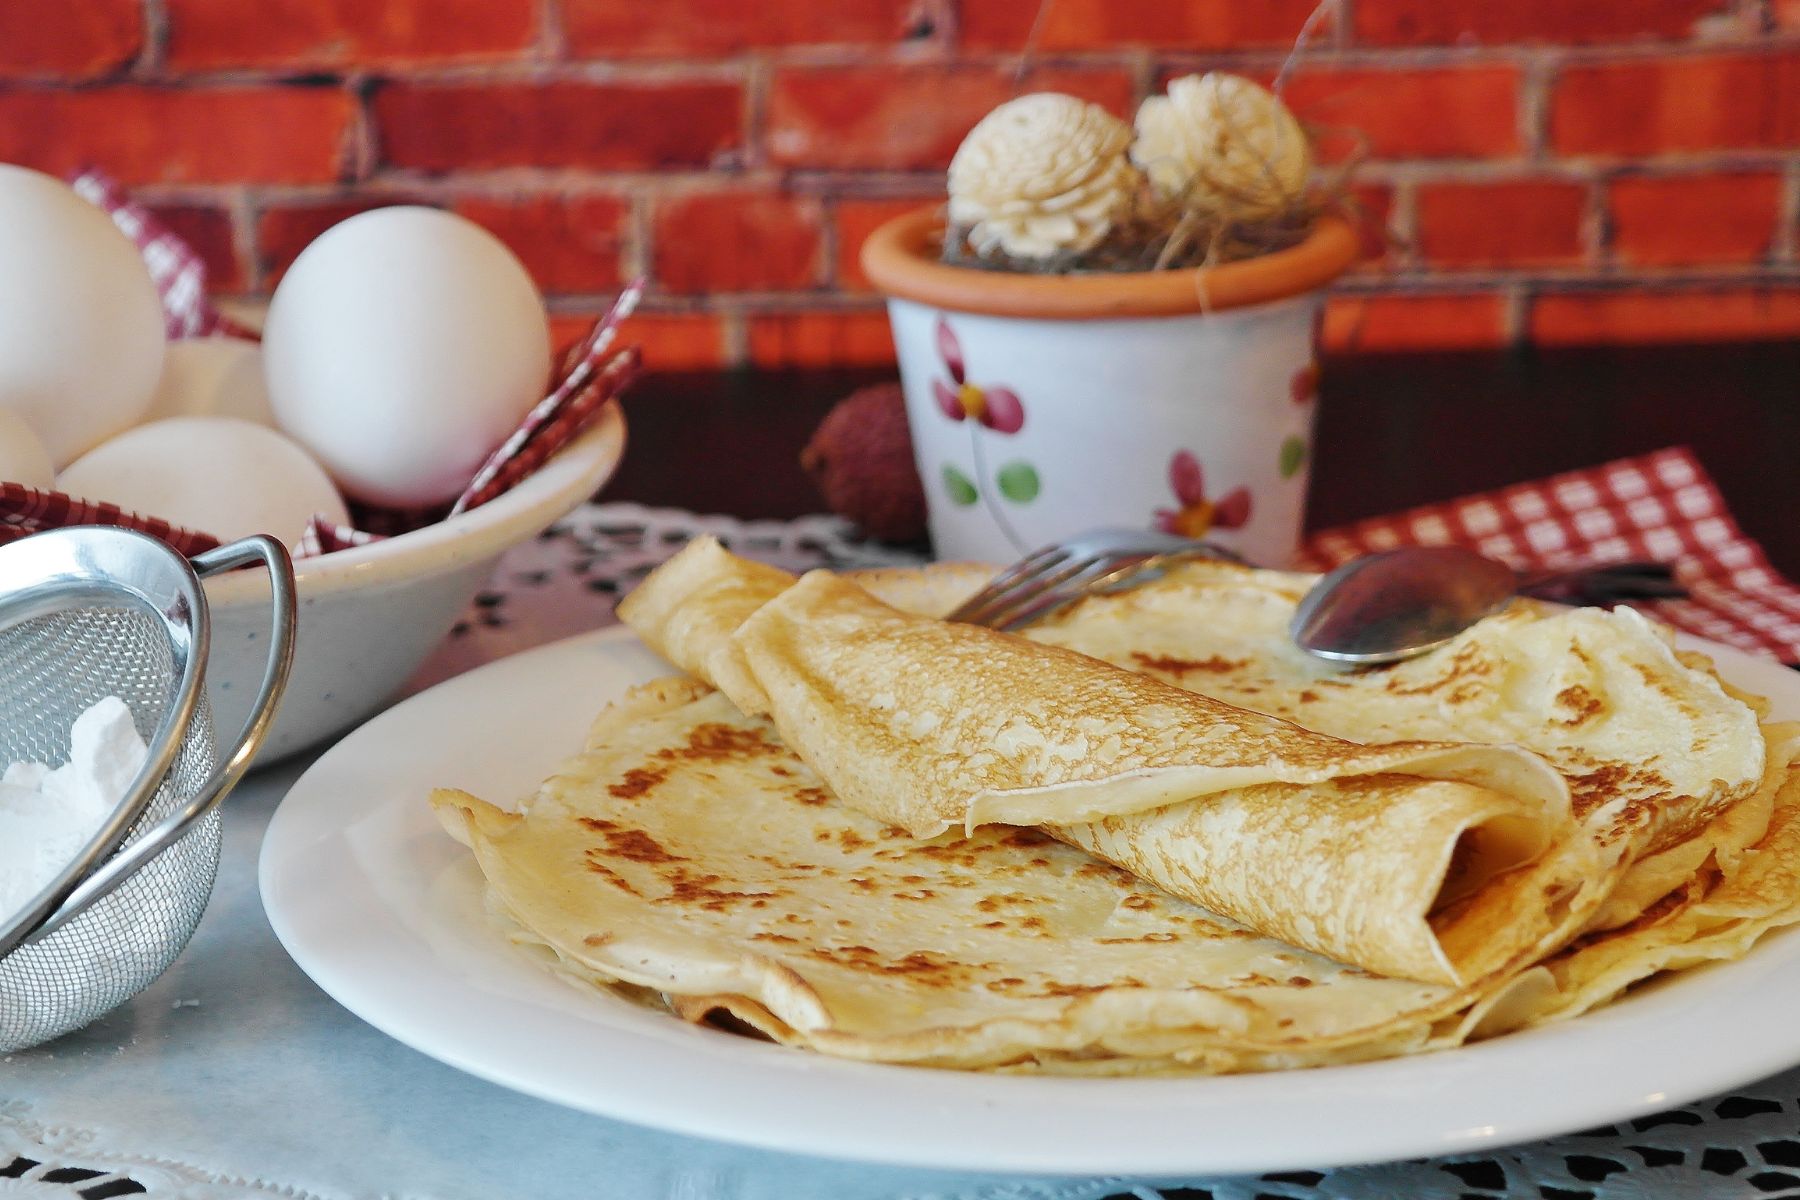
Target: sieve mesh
x: 53, y: 668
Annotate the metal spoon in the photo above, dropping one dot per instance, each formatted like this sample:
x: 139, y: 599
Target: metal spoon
x: 1400, y: 603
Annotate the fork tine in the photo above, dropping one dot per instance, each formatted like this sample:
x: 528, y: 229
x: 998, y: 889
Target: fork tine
x: 993, y: 611
x: 1130, y: 573
x: 1027, y: 568
x: 1037, y: 560
x: 1120, y: 574
x: 1040, y: 559
x: 1054, y: 576
x: 1070, y: 586
x: 1102, y: 572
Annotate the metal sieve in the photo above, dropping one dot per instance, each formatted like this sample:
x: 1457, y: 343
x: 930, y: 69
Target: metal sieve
x: 85, y: 613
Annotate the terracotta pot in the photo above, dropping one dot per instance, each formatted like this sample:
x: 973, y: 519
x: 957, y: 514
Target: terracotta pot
x: 1042, y: 405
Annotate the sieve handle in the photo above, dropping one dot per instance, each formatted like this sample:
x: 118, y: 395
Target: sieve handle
x: 246, y: 552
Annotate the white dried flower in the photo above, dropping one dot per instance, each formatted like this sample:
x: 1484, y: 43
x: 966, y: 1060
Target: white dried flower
x: 1042, y: 174
x: 1220, y: 142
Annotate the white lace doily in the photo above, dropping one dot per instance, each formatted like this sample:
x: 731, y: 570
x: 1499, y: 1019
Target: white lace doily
x: 43, y: 1162
x: 1745, y: 1144
x: 567, y: 581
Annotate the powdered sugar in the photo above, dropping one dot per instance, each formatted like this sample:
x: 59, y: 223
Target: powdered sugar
x: 47, y: 814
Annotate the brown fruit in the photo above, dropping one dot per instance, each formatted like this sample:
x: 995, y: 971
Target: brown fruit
x: 861, y: 459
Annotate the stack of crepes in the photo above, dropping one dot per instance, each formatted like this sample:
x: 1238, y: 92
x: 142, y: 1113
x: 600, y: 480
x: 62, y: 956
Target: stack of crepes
x: 1149, y: 835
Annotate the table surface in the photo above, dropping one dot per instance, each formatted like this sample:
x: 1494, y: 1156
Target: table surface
x: 233, y: 1075
x: 1393, y: 430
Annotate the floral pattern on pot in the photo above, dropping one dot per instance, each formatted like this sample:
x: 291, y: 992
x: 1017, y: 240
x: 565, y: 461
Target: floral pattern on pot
x: 1292, y: 456
x: 1197, y: 515
x: 1304, y: 386
x: 1303, y: 389
x: 992, y: 407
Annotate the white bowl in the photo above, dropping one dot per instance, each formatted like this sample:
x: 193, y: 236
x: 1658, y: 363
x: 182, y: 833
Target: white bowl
x: 369, y: 616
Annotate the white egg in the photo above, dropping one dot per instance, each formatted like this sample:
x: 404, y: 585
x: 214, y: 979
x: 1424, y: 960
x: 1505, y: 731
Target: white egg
x: 23, y: 458
x: 212, y: 377
x: 81, y: 326
x: 218, y: 475
x: 401, y: 348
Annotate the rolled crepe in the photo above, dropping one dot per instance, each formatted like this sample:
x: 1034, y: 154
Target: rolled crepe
x: 1347, y: 850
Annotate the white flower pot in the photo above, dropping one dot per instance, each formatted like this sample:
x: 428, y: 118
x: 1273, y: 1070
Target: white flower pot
x: 1041, y: 406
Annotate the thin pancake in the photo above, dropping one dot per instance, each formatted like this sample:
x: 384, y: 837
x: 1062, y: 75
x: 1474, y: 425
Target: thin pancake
x: 1654, y: 748
x: 1341, y: 848
x: 688, y: 854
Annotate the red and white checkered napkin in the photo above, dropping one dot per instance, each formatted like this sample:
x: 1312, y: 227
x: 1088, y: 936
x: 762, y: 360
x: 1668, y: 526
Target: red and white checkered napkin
x: 25, y: 511
x: 1661, y: 506
x: 179, y: 273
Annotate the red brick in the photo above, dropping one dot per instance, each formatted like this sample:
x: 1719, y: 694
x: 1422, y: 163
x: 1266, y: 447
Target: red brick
x: 682, y: 28
x: 909, y: 117
x: 1446, y: 22
x: 1726, y: 218
x: 1447, y: 322
x: 1704, y: 102
x: 209, y: 232
x: 1445, y: 112
x: 201, y: 135
x: 1507, y: 224
x: 568, y: 243
x: 1686, y: 315
x: 674, y: 341
x: 821, y: 339
x: 736, y: 241
x: 856, y: 220
x: 1102, y: 24
x: 283, y: 232
x: 566, y: 329
x: 1370, y: 206
x: 607, y: 126
x: 207, y: 34
x: 73, y: 39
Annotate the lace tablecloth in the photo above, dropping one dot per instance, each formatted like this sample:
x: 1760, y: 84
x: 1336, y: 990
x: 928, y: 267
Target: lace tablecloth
x: 234, y: 1076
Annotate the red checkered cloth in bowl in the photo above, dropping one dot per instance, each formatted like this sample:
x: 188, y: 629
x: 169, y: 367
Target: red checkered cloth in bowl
x: 178, y: 272
x: 1660, y: 506
x: 25, y: 511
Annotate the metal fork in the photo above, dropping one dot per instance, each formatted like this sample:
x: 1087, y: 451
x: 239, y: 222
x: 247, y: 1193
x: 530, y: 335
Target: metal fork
x: 1056, y: 576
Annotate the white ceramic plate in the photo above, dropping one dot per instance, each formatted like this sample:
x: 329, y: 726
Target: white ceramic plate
x: 384, y: 911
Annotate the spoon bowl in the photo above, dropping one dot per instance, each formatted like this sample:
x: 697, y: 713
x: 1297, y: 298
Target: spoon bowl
x: 1393, y: 605
x: 1400, y: 603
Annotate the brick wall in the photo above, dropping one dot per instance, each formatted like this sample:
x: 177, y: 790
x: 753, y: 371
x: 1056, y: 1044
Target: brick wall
x: 1559, y: 171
